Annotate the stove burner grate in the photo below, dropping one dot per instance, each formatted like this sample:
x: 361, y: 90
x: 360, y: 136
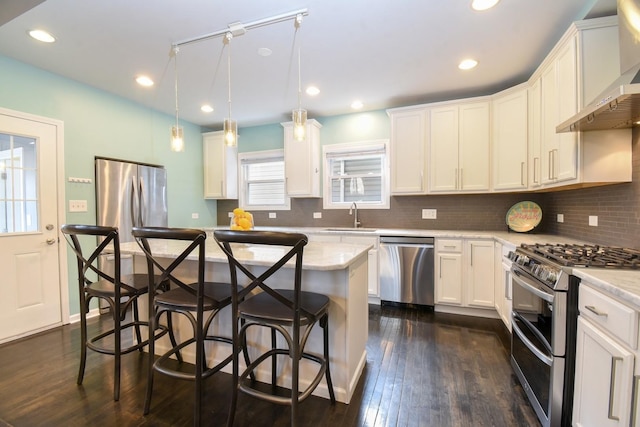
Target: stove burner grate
x: 596, y: 256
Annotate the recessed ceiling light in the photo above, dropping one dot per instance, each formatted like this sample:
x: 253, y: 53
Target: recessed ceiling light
x: 144, y: 81
x: 206, y: 108
x: 483, y: 4
x: 42, y: 36
x: 357, y: 105
x: 312, y: 90
x: 264, y: 51
x: 467, y: 64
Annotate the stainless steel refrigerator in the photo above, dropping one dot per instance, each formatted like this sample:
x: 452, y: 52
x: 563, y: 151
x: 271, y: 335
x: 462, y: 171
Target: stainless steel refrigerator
x: 130, y: 194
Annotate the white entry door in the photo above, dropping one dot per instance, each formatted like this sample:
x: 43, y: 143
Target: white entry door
x: 30, y: 291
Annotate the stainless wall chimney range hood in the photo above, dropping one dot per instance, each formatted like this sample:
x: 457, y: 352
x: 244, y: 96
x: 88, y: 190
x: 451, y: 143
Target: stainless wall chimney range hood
x: 619, y: 105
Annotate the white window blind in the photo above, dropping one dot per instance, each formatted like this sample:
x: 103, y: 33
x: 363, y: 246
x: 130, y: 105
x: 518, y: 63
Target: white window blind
x: 262, y: 180
x: 356, y: 173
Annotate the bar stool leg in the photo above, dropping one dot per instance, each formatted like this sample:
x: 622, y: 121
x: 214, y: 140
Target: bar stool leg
x: 324, y: 324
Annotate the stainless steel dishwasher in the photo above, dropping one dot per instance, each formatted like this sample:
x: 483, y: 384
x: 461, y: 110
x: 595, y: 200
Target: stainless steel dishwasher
x: 406, y: 270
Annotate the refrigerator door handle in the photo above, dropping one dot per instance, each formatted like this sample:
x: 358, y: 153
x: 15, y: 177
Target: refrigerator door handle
x: 141, y: 204
x: 135, y: 209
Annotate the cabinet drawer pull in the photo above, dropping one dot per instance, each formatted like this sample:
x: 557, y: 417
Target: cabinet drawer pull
x: 595, y: 311
x: 612, y: 386
x: 522, y: 173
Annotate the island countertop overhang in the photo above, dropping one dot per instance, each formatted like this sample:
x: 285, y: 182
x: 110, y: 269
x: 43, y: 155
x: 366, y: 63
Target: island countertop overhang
x: 317, y: 255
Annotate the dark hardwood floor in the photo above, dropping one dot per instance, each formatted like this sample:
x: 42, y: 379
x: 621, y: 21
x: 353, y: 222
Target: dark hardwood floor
x: 423, y: 369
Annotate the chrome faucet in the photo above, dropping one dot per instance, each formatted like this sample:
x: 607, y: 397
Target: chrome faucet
x: 352, y: 209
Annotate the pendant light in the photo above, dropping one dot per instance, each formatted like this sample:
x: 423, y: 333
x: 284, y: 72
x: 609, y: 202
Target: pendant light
x: 230, y: 127
x: 299, y: 115
x: 177, y: 135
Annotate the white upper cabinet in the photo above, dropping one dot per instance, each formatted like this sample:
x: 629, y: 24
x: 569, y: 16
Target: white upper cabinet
x: 578, y: 69
x: 510, y: 142
x: 220, y: 167
x: 534, y: 130
x: 459, y: 147
x: 509, y: 139
x: 407, y: 150
x: 302, y: 161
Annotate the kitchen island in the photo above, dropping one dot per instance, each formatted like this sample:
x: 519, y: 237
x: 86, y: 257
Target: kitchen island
x: 338, y: 270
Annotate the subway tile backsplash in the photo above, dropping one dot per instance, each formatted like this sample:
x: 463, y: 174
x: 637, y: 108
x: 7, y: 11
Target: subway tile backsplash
x: 616, y: 206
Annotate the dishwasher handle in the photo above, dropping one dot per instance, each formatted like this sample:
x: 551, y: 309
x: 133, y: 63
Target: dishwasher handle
x: 407, y: 240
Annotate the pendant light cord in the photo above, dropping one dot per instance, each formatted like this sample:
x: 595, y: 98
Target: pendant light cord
x: 175, y: 63
x: 227, y: 43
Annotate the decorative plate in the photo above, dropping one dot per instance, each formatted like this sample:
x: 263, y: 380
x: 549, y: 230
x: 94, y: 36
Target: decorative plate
x: 524, y: 216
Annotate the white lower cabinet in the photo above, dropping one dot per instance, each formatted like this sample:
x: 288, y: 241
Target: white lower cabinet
x: 606, y: 350
x: 448, y: 272
x: 465, y: 273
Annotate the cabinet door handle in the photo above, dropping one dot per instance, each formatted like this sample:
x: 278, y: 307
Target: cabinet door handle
x: 522, y: 173
x: 535, y: 169
x: 612, y: 386
x: 595, y: 310
x: 461, y: 182
x: 550, y: 162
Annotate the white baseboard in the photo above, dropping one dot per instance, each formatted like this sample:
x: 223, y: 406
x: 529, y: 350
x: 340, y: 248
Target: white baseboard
x: 75, y: 318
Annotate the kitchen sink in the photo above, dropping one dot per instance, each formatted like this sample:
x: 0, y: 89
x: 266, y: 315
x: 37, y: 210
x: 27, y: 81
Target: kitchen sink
x: 352, y: 229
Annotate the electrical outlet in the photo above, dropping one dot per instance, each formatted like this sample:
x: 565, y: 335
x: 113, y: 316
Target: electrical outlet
x: 230, y: 214
x: 593, y: 220
x: 317, y: 215
x: 560, y: 218
x: 429, y: 213
x: 272, y: 215
x: 195, y: 215
x: 77, y: 205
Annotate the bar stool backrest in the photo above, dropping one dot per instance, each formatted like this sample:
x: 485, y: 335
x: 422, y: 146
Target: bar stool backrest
x: 296, y: 241
x: 144, y: 235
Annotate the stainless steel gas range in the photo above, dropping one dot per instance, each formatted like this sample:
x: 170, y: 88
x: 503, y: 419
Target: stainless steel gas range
x: 544, y: 318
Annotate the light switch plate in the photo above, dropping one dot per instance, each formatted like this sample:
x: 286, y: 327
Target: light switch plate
x: 593, y: 220
x: 429, y: 213
x: 195, y: 215
x: 77, y: 205
x: 560, y: 218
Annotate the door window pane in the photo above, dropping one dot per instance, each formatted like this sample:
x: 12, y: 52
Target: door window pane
x: 18, y: 184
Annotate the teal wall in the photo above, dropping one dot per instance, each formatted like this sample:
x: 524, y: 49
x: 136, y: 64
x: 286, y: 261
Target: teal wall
x: 97, y: 123
x: 346, y: 128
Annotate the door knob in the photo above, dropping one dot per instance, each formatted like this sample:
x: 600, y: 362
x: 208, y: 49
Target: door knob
x: 51, y: 241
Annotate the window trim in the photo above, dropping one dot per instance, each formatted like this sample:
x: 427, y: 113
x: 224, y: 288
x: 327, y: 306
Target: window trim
x: 354, y: 148
x: 252, y: 156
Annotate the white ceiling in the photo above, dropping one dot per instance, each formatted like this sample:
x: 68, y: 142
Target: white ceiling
x: 383, y: 52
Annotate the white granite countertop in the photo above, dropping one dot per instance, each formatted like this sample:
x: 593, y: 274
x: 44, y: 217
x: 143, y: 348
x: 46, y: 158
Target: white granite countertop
x: 317, y: 256
x: 623, y: 284
x: 504, y: 237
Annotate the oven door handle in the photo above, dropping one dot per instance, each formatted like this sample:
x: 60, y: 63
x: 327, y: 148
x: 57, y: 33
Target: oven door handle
x: 545, y: 296
x: 540, y: 355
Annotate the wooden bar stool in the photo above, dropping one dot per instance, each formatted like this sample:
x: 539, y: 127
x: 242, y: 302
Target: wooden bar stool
x: 290, y: 312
